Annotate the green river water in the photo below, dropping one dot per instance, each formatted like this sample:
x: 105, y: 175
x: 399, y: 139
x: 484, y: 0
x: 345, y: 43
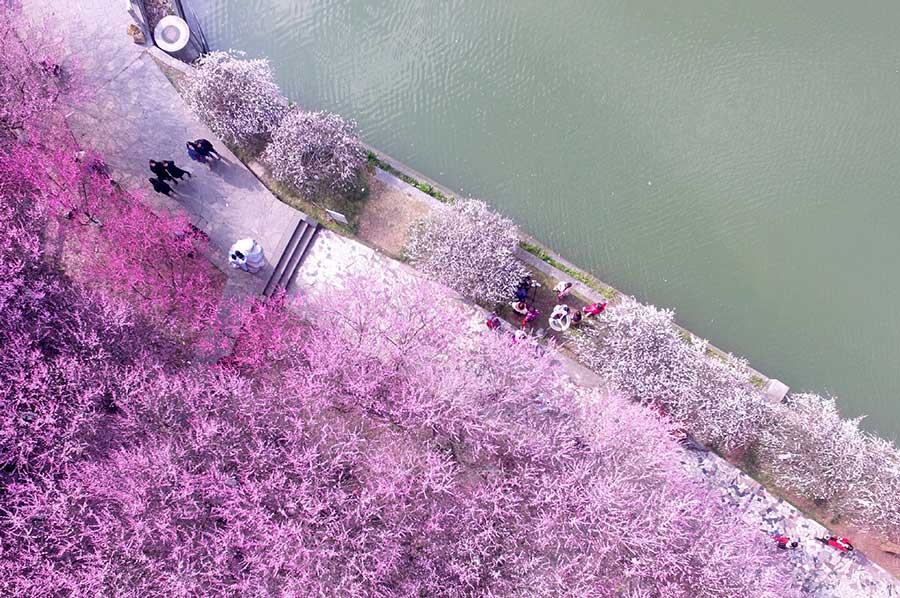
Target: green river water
x: 735, y: 160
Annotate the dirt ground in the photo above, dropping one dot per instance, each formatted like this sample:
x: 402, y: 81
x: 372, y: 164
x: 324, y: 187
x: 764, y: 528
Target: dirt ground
x: 385, y: 219
x: 544, y: 299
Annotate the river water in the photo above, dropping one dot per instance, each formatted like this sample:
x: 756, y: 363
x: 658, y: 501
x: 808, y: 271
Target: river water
x: 738, y: 161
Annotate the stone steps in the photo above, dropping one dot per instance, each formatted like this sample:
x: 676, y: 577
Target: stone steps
x: 292, y: 257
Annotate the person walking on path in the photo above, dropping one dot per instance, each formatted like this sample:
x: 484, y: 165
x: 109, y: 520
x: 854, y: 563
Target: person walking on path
x: 176, y: 173
x: 531, y: 316
x: 159, y: 169
x: 206, y: 148
x: 162, y: 187
x: 196, y: 155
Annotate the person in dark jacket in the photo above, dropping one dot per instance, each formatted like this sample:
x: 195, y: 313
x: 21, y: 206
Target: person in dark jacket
x: 159, y: 169
x: 196, y: 155
x: 162, y: 187
x: 175, y: 172
x: 206, y: 148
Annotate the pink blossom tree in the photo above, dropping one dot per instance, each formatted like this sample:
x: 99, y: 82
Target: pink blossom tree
x: 470, y: 248
x: 35, y: 80
x: 238, y: 99
x: 397, y: 454
x: 165, y: 271
x: 342, y: 451
x: 315, y: 152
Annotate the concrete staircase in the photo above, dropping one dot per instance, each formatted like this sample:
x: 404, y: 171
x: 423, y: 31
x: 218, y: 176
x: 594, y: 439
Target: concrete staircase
x: 296, y: 249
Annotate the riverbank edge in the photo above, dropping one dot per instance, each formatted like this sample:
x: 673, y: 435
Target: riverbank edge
x: 538, y: 255
x: 533, y: 253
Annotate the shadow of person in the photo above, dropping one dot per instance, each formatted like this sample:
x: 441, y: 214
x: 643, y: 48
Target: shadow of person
x: 234, y: 175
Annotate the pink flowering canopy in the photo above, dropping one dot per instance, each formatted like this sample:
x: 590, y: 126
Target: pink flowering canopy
x: 347, y: 454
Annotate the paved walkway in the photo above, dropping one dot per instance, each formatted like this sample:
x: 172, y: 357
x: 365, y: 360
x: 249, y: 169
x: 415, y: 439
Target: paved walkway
x: 136, y: 115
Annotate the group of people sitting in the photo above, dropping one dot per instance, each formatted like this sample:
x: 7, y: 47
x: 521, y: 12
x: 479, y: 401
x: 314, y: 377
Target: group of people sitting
x: 561, y: 318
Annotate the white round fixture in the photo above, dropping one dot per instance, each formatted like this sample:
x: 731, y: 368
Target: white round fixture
x: 172, y: 33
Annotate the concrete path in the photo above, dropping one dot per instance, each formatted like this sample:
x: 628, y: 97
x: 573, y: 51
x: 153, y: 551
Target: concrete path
x: 136, y: 115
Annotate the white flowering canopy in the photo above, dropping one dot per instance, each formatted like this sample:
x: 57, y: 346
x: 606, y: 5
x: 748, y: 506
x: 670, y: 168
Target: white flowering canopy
x: 469, y: 248
x: 642, y: 352
x: 315, y: 152
x: 238, y: 99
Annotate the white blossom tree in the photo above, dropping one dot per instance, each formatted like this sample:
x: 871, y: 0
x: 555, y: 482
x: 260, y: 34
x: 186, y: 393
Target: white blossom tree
x: 469, y: 247
x: 315, y: 152
x: 809, y: 448
x: 640, y: 350
x: 803, y: 444
x: 238, y: 99
x: 875, y: 503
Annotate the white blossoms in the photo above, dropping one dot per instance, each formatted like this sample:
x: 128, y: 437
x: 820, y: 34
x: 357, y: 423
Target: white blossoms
x: 470, y: 248
x: 238, y: 99
x: 315, y: 152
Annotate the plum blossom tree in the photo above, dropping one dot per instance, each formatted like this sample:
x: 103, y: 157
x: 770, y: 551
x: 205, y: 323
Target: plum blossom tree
x: 394, y: 454
x: 875, y: 503
x: 803, y: 444
x: 315, y: 152
x: 341, y: 450
x: 812, y: 450
x: 470, y: 248
x: 809, y: 449
x: 164, y: 271
x: 33, y: 84
x: 238, y: 99
x: 54, y: 336
x: 641, y: 351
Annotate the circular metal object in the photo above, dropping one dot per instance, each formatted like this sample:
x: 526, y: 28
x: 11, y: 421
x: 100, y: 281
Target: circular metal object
x: 172, y: 33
